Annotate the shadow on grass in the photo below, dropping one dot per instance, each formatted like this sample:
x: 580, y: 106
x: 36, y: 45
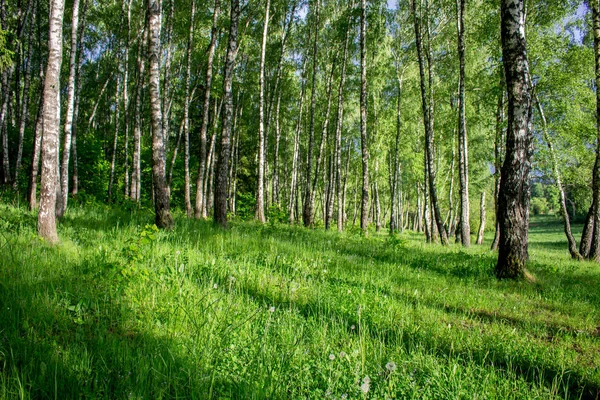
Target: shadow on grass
x: 68, y: 336
x: 574, y: 384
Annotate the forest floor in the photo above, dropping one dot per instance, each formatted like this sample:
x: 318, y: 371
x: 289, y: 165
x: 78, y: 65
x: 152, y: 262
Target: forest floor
x: 120, y: 310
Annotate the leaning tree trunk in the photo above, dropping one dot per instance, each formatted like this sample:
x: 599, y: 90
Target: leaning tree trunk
x: 482, y: 217
x: 51, y: 123
x: 513, y: 199
x: 463, y: 153
x: 161, y: 192
x: 260, y: 187
x: 364, y: 209
x: 200, y: 206
x: 563, y: 199
x: 221, y: 186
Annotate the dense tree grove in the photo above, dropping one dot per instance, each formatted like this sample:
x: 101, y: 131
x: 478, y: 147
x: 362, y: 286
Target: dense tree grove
x: 390, y: 114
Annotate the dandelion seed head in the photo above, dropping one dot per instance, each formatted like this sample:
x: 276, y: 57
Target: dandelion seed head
x: 332, y: 356
x: 353, y: 327
x: 215, y: 286
x: 365, y: 387
x: 272, y: 309
x: 366, y: 379
x: 390, y: 366
x: 343, y: 354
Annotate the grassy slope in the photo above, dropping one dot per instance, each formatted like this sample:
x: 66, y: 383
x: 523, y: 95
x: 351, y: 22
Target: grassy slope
x: 118, y: 310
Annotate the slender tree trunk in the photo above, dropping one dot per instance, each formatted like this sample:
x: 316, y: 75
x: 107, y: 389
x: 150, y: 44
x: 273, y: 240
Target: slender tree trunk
x: 186, y: 113
x: 221, y: 184
x: 113, y: 162
x: 557, y: 178
x: 200, y: 206
x: 482, y: 217
x: 127, y: 3
x: 296, y: 152
x: 498, y: 158
x: 51, y: 123
x: 338, y: 134
x: 174, y: 157
x: 136, y: 173
x: 24, y: 113
x: 364, y: 215
x: 66, y: 151
x: 161, y: 192
x: 322, y: 145
x: 37, y: 149
x: 307, y: 211
x: 513, y: 199
x: 594, y: 215
x: 463, y: 154
x: 260, y: 188
x: 428, y: 122
x: 396, y: 169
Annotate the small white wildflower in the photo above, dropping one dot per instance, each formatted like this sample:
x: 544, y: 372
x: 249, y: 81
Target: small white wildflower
x: 343, y: 354
x: 324, y: 271
x: 332, y: 356
x: 353, y: 327
x: 349, y: 291
x: 272, y: 309
x: 177, y: 252
x: 365, y: 387
x: 390, y: 366
x: 215, y: 286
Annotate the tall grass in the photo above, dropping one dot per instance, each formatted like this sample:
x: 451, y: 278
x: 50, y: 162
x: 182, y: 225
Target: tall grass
x: 121, y: 310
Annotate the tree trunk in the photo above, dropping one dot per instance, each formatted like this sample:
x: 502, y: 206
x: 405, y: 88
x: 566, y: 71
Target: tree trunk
x: 296, y: 152
x: 563, y: 198
x: 463, y: 153
x: 482, y: 217
x: 498, y: 157
x: 161, y: 193
x: 221, y: 184
x: 136, y: 173
x: 127, y: 3
x: 513, y: 199
x: 429, y: 134
x: 186, y: 113
x: 113, y: 162
x: 319, y: 165
x: 51, y: 122
x: 24, y: 113
x: 338, y: 134
x: 594, y: 246
x: 395, y: 166
x: 200, y: 206
x: 364, y: 215
x: 260, y: 187
x: 307, y: 211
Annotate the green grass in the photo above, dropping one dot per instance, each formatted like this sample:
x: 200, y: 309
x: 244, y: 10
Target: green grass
x: 118, y: 310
